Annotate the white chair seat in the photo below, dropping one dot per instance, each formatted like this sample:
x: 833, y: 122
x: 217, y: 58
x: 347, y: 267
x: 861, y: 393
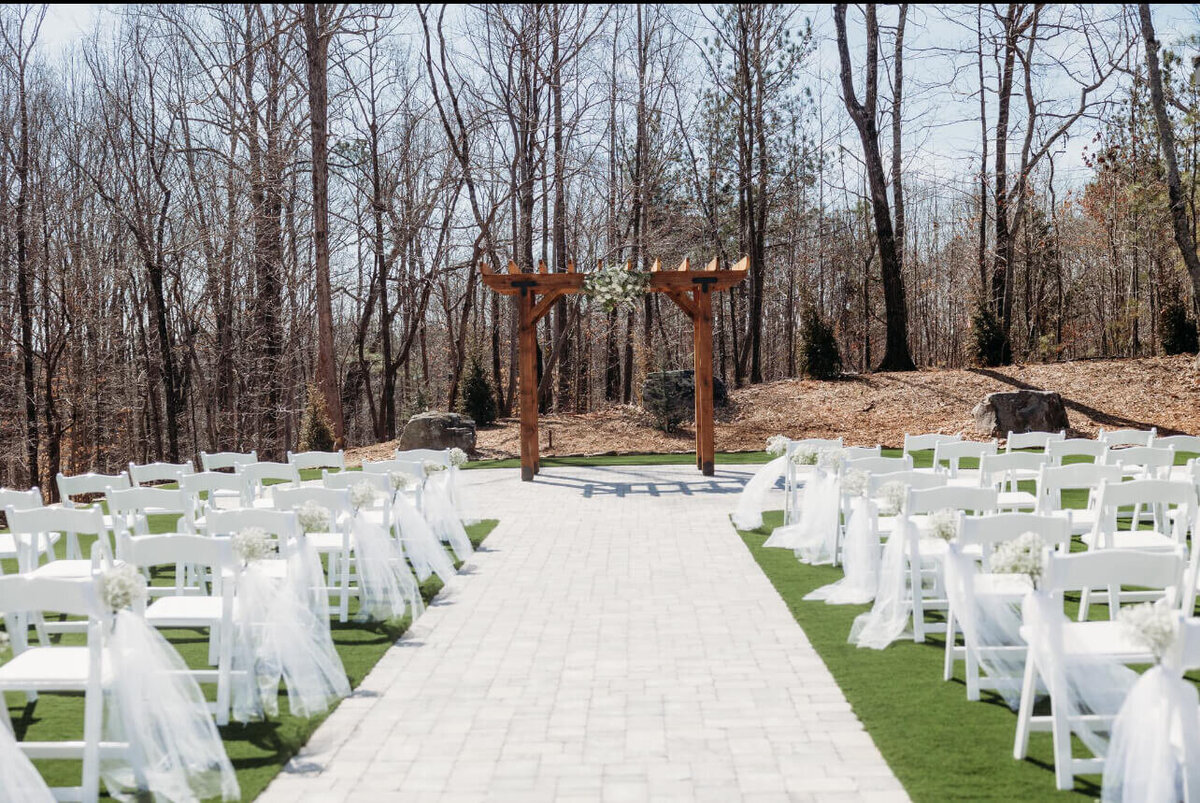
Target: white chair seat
x: 991, y: 584
x: 8, y: 544
x: 67, y: 569
x: 1104, y: 639
x: 325, y: 542
x: 1016, y: 500
x: 182, y: 611
x: 51, y: 668
x: 1134, y: 539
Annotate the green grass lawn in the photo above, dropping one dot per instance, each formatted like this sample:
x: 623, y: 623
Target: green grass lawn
x: 258, y: 750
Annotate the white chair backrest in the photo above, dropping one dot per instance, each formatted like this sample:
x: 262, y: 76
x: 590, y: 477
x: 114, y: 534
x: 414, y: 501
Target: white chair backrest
x: 1004, y: 470
x: 1128, y: 437
x: 921, y: 443
x: 1187, y: 644
x: 1098, y: 568
x: 1032, y: 440
x: 1053, y: 480
x: 89, y: 484
x: 880, y: 465
x: 21, y: 500
x: 256, y: 473
x: 336, y: 500
x: 164, y: 549
x: 987, y: 531
x: 1072, y: 447
x: 1180, y: 443
x: 912, y: 479
x: 302, y: 460
x: 348, y: 479
x: 211, y: 461
x: 859, y: 452
x: 19, y: 594
x: 954, y: 497
x: 77, y: 520
x: 441, y: 456
x: 280, y: 523
x: 953, y: 451
x: 1155, y: 463
x: 158, y: 472
x: 808, y: 443
x: 131, y: 506
x: 215, y: 482
x: 416, y: 468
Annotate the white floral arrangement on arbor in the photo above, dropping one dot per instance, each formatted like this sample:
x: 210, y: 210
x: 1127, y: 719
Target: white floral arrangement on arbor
x: 1025, y: 554
x: 458, y: 458
x: 777, y: 445
x: 855, y: 482
x: 362, y: 494
x: 1152, y: 624
x: 893, y: 495
x: 943, y: 524
x: 805, y: 456
x: 252, y: 544
x: 613, y: 287
x: 121, y: 586
x: 313, y: 517
x: 432, y: 468
x: 402, y: 480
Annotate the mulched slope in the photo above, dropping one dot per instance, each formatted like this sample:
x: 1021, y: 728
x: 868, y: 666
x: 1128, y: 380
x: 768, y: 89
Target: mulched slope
x: 880, y: 408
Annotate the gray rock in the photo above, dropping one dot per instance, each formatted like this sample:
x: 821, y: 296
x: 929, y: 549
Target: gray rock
x: 1020, y: 411
x: 436, y: 430
x: 670, y: 396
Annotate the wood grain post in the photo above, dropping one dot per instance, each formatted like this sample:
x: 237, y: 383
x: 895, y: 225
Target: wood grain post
x: 702, y: 339
x: 527, y: 349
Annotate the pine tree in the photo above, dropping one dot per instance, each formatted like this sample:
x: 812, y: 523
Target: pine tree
x: 477, y: 400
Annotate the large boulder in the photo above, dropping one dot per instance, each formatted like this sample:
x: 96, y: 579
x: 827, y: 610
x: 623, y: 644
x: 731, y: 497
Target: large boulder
x: 670, y: 396
x: 436, y: 430
x: 1020, y: 411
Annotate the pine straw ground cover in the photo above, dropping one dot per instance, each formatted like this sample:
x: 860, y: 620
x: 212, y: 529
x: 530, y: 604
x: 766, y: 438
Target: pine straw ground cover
x: 258, y: 750
x: 875, y: 408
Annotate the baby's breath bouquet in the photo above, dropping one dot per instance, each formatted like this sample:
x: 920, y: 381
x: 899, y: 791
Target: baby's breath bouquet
x: 432, y: 468
x: 777, y: 445
x: 1024, y: 554
x: 613, y: 287
x: 402, y: 481
x: 458, y: 458
x: 893, y: 495
x: 362, y: 494
x: 121, y: 586
x: 832, y: 460
x: 1151, y: 624
x: 943, y: 524
x: 805, y: 456
x: 313, y: 517
x: 855, y: 482
x: 252, y: 544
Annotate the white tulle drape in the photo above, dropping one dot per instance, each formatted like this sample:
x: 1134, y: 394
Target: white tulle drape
x: 888, y: 618
x: 748, y: 513
x: 153, y: 704
x: 1082, y: 686
x: 814, y: 537
x: 860, y: 559
x: 990, y: 623
x: 386, y: 587
x: 279, y: 635
x: 463, y: 499
x: 19, y: 779
x: 1154, y: 753
x: 443, y: 518
x: 422, y: 547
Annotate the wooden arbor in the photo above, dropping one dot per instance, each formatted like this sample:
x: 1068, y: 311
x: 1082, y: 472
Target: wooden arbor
x: 690, y: 290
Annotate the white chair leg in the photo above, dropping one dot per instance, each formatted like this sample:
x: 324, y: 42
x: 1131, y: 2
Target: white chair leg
x: 344, y: 601
x: 951, y: 633
x: 972, y: 675
x: 1025, y: 710
x: 918, y: 603
x: 1064, y: 776
x: 1085, y: 602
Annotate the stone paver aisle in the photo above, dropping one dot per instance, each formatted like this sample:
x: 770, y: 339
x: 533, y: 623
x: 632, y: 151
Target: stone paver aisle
x: 614, y: 640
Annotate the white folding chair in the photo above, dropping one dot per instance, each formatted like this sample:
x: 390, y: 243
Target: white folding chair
x: 212, y: 461
x: 158, y: 472
x: 43, y: 522
x: 212, y: 490
x: 415, y: 468
x: 72, y: 669
x: 912, y: 478
x: 925, y: 556
x: 981, y: 534
x: 927, y: 442
x: 1054, y: 480
x: 258, y: 475
x: 313, y: 459
x: 1180, y: 443
x: 90, y: 484
x: 794, y: 477
x: 381, y: 511
x: 1032, y: 440
x: 337, y: 543
x: 1127, y: 437
x: 23, y: 500
x: 132, y: 508
x: 1075, y: 447
x: 1087, y: 640
x: 178, y: 608
x: 952, y: 452
x: 1004, y: 472
x: 1143, y: 462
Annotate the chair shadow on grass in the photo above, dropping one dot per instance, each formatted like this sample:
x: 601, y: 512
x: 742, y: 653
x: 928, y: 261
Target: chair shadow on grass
x: 1099, y: 416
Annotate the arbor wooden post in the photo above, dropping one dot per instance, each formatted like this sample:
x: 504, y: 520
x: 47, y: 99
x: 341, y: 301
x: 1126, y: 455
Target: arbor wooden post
x: 690, y: 290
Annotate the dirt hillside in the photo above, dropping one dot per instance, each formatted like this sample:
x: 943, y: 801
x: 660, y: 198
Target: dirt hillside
x: 879, y: 408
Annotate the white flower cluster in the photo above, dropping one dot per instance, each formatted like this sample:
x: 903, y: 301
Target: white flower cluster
x: 432, y: 467
x: 1022, y: 555
x: 805, y: 456
x: 362, y: 494
x: 458, y: 458
x: 893, y: 495
x: 612, y: 286
x: 402, y: 480
x: 943, y: 524
x: 252, y: 544
x: 833, y: 460
x: 777, y: 445
x: 855, y: 482
x: 313, y: 518
x: 1152, y: 624
x: 5, y: 643
x: 121, y: 586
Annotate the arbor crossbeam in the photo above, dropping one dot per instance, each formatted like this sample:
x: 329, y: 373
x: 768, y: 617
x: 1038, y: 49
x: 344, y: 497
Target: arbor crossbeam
x: 690, y: 290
